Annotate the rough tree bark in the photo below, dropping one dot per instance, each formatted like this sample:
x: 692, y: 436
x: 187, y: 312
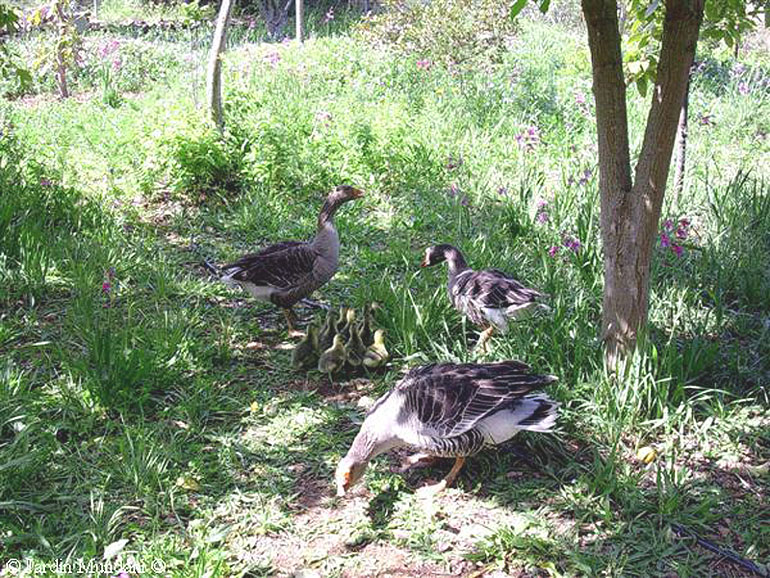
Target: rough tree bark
x: 214, y: 71
x: 630, y: 209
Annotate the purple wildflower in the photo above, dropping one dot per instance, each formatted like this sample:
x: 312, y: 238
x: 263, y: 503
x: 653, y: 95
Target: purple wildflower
x: 743, y: 88
x: 665, y: 240
x: 542, y: 217
x: 111, y: 272
x: 571, y: 243
x: 502, y: 190
x: 668, y: 225
x: 106, y: 286
x: 45, y: 182
x: 570, y: 181
x: 453, y: 163
x: 738, y: 70
x: 329, y: 16
x: 587, y: 174
x: 453, y: 190
x: 424, y: 64
x: 272, y: 58
x: 580, y: 98
x: 677, y: 249
x: 553, y: 250
x: 465, y: 202
x: 705, y: 120
x: 529, y: 138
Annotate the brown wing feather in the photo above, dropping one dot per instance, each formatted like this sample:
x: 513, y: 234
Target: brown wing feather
x: 283, y: 265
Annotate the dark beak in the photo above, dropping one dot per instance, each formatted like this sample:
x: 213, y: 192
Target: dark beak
x: 424, y: 263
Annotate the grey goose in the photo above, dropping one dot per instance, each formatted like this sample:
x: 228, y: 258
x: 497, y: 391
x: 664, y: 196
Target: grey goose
x: 290, y: 271
x: 489, y: 298
x: 450, y: 410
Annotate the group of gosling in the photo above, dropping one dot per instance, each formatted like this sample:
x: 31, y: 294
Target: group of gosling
x: 342, y: 342
x: 439, y: 410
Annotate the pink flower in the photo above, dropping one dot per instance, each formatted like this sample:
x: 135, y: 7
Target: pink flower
x: 106, y: 287
x: 572, y: 243
x: 116, y: 64
x: 424, y: 64
x: 542, y: 217
x: 677, y: 249
x: 553, y: 250
x: 453, y: 190
x: 273, y: 58
x: 580, y: 98
x: 541, y: 204
x: 743, y: 88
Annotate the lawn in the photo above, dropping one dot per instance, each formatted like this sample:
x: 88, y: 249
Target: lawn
x: 150, y: 413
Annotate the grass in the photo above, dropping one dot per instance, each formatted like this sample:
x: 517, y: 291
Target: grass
x: 163, y: 411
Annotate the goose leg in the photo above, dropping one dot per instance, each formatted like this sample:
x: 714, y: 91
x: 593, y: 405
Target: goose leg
x: 291, y: 320
x: 483, y: 338
x: 446, y: 482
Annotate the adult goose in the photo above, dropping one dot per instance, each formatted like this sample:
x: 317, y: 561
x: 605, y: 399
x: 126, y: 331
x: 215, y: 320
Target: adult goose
x: 287, y: 272
x: 489, y: 298
x: 450, y: 410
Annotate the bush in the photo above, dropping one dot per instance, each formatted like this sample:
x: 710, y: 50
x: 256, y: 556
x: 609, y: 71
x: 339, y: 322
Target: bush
x: 189, y: 160
x: 456, y: 32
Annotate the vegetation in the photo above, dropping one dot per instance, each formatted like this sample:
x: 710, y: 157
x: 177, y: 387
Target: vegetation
x: 150, y: 414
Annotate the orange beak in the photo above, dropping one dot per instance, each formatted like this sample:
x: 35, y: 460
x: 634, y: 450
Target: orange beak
x: 357, y: 193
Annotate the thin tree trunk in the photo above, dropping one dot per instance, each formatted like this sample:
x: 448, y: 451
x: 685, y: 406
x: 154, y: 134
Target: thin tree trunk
x: 629, y: 214
x: 614, y: 158
x: 681, y: 147
x: 214, y: 72
x: 61, y: 65
x: 298, y: 4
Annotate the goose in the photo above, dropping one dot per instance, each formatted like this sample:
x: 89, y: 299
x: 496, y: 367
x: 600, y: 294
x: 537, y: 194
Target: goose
x: 290, y: 271
x: 376, y: 355
x: 489, y: 298
x: 355, y: 348
x: 450, y: 410
x: 328, y: 330
x: 305, y: 354
x: 333, y: 359
x: 368, y: 322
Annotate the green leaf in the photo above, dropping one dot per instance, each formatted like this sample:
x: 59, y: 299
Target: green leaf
x: 517, y: 7
x: 544, y: 4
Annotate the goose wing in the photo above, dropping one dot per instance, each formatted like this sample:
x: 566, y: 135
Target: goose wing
x: 282, y: 265
x: 492, y: 288
x: 447, y: 400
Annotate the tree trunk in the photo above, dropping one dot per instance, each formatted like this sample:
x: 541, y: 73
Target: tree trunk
x: 214, y: 72
x: 61, y: 63
x: 681, y: 147
x: 298, y: 12
x: 629, y: 214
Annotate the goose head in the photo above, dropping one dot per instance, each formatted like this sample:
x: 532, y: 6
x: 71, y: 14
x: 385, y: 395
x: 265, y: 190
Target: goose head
x: 439, y: 253
x: 349, y: 471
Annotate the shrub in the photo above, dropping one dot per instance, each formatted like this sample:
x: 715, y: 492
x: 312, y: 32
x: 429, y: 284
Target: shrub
x: 463, y: 33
